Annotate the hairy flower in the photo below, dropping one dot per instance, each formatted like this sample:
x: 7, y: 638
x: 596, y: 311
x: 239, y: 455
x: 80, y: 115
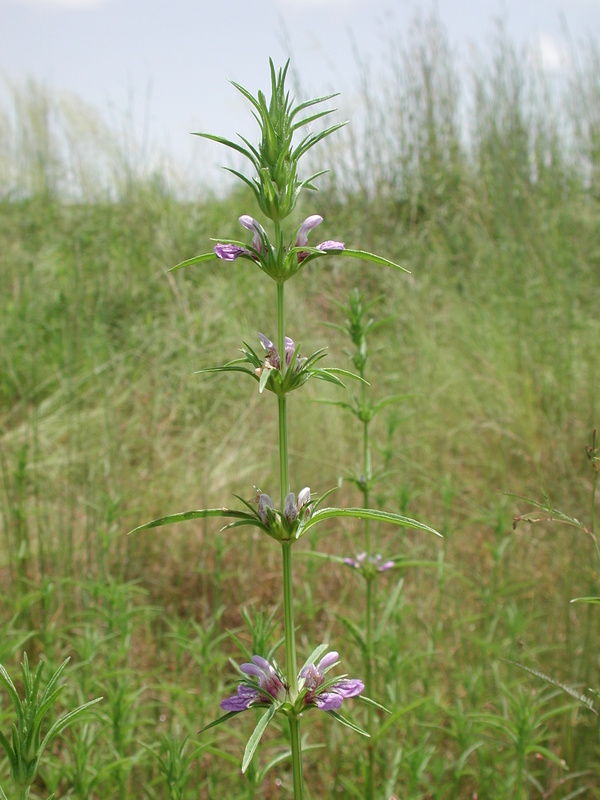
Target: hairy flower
x: 264, y: 502
x: 302, y: 237
x: 376, y: 562
x: 273, y: 359
x: 257, y: 229
x: 263, y: 685
x: 231, y: 251
x: 323, y: 694
x: 293, y: 507
x: 331, y: 245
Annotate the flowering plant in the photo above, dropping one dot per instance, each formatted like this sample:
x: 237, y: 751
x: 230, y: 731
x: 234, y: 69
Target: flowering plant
x: 276, y: 186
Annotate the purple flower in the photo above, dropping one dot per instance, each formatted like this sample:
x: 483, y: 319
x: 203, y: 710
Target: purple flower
x: 229, y: 252
x: 273, y: 359
x: 302, y: 237
x: 257, y: 229
x: 246, y: 695
x: 328, y: 696
x: 264, y: 686
x: 331, y: 245
x: 289, y: 350
x: 376, y: 562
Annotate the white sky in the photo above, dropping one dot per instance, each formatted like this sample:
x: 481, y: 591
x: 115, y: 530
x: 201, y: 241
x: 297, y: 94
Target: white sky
x: 164, y: 64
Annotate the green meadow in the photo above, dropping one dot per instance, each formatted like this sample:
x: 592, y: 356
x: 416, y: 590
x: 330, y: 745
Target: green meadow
x: 487, y: 188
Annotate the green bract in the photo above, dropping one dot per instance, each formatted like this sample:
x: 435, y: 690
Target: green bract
x: 276, y: 185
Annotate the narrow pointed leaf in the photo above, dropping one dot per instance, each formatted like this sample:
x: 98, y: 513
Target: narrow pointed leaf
x: 257, y: 735
x: 226, y: 368
x: 248, y: 96
x: 195, y: 260
x: 373, y: 703
x: 243, y: 178
x: 563, y: 687
x: 389, y: 400
x: 313, y: 118
x: 325, y: 375
x: 10, y: 687
x: 184, y: 516
x: 347, y: 374
x: 233, y: 145
x: 219, y: 721
x: 312, y: 140
x: 368, y: 513
x: 66, y: 720
x: 362, y: 254
x: 9, y: 751
x: 344, y: 721
x: 314, y: 102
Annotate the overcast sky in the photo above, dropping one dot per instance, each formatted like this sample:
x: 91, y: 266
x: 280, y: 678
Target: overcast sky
x: 167, y: 62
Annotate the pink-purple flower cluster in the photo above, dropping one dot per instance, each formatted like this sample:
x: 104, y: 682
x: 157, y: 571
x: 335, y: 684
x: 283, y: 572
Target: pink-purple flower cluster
x: 376, y: 562
x: 325, y: 695
x: 260, y: 242
x: 265, y: 685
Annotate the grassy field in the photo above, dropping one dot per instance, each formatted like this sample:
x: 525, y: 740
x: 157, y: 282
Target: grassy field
x: 494, y: 206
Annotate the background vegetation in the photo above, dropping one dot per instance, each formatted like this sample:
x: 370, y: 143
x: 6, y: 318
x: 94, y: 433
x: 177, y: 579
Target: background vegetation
x: 488, y: 190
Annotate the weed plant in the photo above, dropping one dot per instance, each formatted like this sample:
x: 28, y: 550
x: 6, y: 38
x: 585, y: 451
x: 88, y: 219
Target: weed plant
x: 493, y: 337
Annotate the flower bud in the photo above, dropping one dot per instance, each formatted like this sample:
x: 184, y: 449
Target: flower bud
x: 303, y: 497
x: 264, y: 502
x: 290, y: 512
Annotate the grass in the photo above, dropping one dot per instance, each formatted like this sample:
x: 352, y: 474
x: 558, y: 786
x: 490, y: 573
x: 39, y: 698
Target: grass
x: 103, y: 425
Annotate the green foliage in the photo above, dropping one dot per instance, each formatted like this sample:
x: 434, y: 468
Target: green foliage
x: 276, y: 185
x: 26, y: 745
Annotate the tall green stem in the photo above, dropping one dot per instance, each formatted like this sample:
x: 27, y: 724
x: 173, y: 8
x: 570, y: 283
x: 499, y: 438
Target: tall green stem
x: 288, y: 620
x: 286, y: 551
x: 370, y: 787
x: 284, y: 474
x: 296, y: 748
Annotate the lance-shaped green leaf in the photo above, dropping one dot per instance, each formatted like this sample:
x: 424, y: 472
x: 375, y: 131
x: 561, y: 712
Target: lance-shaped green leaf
x: 195, y: 260
x: 219, y: 721
x: 64, y: 721
x: 344, y: 721
x: 314, y: 252
x: 374, y: 703
x: 232, y: 145
x: 364, y: 513
x: 256, y: 736
x: 202, y: 513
